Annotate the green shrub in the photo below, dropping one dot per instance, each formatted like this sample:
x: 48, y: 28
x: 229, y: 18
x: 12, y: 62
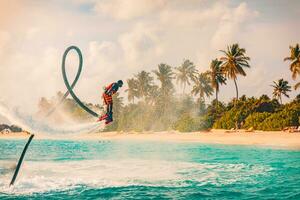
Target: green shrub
x: 288, y: 116
x: 255, y: 119
x: 227, y: 121
x: 184, y: 124
x: 236, y: 115
x: 188, y: 124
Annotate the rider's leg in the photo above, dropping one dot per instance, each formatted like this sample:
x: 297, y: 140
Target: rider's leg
x: 104, y: 116
x: 109, y: 111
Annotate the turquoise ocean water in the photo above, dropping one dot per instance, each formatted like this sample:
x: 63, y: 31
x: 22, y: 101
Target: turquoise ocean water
x: 55, y: 169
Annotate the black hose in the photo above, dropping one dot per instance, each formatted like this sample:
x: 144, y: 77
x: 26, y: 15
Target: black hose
x: 20, y: 160
x: 70, y: 87
x: 70, y: 91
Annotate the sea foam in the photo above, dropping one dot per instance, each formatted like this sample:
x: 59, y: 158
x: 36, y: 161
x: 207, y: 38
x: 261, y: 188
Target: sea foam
x: 40, y: 177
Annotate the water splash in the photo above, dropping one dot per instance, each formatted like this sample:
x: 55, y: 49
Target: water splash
x: 55, y: 176
x: 35, y: 125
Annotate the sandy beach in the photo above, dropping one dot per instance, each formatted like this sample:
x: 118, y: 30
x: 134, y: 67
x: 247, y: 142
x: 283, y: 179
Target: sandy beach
x: 276, y: 139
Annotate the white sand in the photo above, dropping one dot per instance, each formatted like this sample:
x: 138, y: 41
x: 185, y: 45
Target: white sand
x: 278, y: 139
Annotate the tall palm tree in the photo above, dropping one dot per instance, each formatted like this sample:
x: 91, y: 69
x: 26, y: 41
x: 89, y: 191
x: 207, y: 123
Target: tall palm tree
x: 217, y: 76
x: 153, y: 94
x: 202, y: 86
x: 281, y: 87
x: 132, y: 89
x: 233, y: 63
x: 163, y: 106
x: 184, y: 73
x: 144, y: 83
x: 165, y: 76
x: 295, y: 62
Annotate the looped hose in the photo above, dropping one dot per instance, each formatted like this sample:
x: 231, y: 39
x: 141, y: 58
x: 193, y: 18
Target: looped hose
x: 70, y: 87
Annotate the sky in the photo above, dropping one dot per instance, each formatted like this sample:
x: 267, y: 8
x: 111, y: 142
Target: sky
x: 120, y: 38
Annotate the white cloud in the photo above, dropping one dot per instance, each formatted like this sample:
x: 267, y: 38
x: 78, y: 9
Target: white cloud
x: 230, y: 25
x: 9, y: 10
x: 155, y: 31
x: 129, y: 9
x: 141, y: 44
x: 4, y: 40
x: 32, y: 32
x: 103, y: 57
x: 28, y: 77
x: 191, y: 17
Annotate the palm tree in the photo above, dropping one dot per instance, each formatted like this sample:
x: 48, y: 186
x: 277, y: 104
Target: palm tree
x: 295, y: 62
x: 217, y: 76
x: 233, y: 63
x: 165, y: 76
x: 132, y: 89
x: 153, y: 94
x: 184, y: 73
x: 163, y: 106
x: 144, y: 83
x: 281, y: 87
x: 202, y: 86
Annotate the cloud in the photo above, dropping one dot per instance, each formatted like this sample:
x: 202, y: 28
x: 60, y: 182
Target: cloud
x: 26, y: 77
x: 176, y: 16
x: 140, y: 45
x: 130, y: 9
x: 4, y: 41
x: 10, y: 10
x: 125, y: 37
x: 103, y: 57
x: 32, y: 32
x: 231, y: 25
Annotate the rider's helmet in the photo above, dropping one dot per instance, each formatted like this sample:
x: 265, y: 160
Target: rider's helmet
x: 120, y: 83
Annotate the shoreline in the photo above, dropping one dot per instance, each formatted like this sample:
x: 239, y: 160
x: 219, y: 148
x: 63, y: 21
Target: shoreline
x: 274, y: 139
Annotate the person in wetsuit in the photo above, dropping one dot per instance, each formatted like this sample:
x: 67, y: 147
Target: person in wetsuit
x: 109, y: 91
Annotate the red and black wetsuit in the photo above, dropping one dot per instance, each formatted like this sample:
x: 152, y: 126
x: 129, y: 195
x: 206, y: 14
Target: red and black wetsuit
x: 108, y: 101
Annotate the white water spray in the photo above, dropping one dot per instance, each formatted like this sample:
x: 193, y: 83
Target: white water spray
x: 34, y: 125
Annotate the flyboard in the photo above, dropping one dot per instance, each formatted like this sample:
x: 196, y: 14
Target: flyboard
x: 69, y: 91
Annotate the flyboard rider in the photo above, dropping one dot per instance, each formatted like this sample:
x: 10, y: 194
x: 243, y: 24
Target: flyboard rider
x: 107, y: 96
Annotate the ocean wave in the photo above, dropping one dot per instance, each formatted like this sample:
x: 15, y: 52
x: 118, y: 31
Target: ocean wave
x: 40, y: 177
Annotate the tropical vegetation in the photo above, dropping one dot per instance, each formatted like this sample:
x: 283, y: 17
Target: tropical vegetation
x: 177, y: 98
